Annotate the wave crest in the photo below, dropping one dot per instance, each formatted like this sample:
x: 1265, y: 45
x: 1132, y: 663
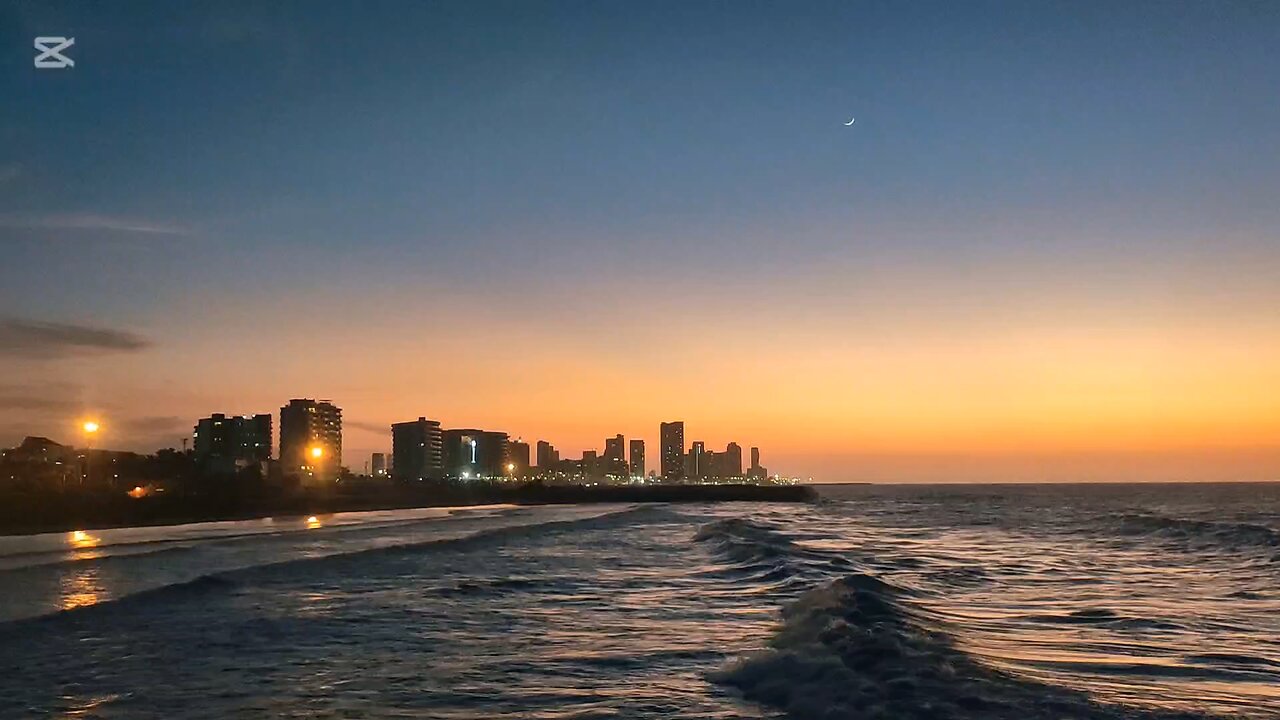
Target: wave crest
x: 1229, y: 535
x: 857, y: 647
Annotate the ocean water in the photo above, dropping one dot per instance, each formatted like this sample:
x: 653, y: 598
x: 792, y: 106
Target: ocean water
x: 886, y: 602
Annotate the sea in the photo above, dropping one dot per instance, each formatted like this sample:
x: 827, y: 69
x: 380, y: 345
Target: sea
x: 885, y: 602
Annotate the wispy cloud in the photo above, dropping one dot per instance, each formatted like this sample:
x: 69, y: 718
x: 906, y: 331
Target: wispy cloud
x: 40, y: 396
x: 28, y: 403
x: 368, y: 426
x: 37, y: 407
x: 90, y: 221
x: 25, y: 338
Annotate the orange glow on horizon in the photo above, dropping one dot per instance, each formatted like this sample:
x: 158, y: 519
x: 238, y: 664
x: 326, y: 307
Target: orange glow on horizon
x: 841, y: 396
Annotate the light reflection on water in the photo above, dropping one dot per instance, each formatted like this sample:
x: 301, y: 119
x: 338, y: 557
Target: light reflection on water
x: 35, y: 569
x: 1160, y: 597
x: 627, y: 615
x: 80, y: 588
x: 86, y: 707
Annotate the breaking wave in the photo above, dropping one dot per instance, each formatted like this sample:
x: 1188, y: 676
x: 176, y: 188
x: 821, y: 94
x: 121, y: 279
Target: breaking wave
x: 764, y: 560
x: 234, y: 578
x: 858, y: 647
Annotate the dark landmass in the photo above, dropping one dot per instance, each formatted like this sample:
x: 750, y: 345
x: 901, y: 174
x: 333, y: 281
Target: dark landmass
x: 49, y: 512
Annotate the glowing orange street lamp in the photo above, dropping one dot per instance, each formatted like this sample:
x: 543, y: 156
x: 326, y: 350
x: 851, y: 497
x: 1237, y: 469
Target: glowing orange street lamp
x: 316, y: 453
x: 90, y: 428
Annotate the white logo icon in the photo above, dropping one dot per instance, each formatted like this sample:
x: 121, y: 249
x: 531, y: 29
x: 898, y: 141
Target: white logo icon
x: 51, y: 56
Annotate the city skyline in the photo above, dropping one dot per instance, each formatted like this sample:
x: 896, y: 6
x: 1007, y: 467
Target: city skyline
x: 1047, y: 249
x: 310, y: 439
x: 71, y: 433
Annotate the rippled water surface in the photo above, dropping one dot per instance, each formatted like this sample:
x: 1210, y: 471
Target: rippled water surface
x: 878, y: 602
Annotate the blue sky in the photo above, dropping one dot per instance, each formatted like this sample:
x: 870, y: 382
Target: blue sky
x: 207, y: 171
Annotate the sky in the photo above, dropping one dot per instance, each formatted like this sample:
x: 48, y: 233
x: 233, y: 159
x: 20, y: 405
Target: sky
x: 1047, y: 249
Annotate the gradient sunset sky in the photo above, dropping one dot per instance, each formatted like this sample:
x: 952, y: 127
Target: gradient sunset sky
x: 1048, y: 249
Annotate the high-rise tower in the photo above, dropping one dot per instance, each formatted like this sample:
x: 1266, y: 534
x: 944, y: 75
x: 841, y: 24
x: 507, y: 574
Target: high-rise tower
x: 671, y: 439
x: 311, y: 440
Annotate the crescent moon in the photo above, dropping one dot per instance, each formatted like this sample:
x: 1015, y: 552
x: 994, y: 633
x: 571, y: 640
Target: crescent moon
x: 851, y: 120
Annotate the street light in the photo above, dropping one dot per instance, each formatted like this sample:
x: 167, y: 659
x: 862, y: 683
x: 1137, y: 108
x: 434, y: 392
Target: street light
x: 316, y: 455
x: 90, y: 427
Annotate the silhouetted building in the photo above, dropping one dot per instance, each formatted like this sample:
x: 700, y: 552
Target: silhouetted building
x: 417, y: 450
x: 729, y: 463
x: 240, y: 438
x: 548, y: 456
x: 592, y: 466
x: 311, y: 440
x: 671, y: 441
x: 39, y: 463
x: 615, y: 448
x: 42, y: 450
x: 473, y: 453
x: 518, y: 457
x: 757, y: 471
x: 636, y: 467
x: 696, y: 465
x: 611, y: 466
x: 378, y: 465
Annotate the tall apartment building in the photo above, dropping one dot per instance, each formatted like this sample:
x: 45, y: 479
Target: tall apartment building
x: 636, y: 467
x: 517, y: 457
x: 548, y: 456
x: 730, y: 461
x: 239, y: 438
x: 417, y: 450
x: 697, y: 463
x: 615, y: 448
x: 471, y: 453
x: 311, y: 440
x: 671, y: 440
x: 757, y: 471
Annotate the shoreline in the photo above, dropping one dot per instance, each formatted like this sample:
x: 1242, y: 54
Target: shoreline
x: 159, y: 512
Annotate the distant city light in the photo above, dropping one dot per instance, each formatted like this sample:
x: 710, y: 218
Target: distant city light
x: 313, y: 522
x: 317, y: 452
